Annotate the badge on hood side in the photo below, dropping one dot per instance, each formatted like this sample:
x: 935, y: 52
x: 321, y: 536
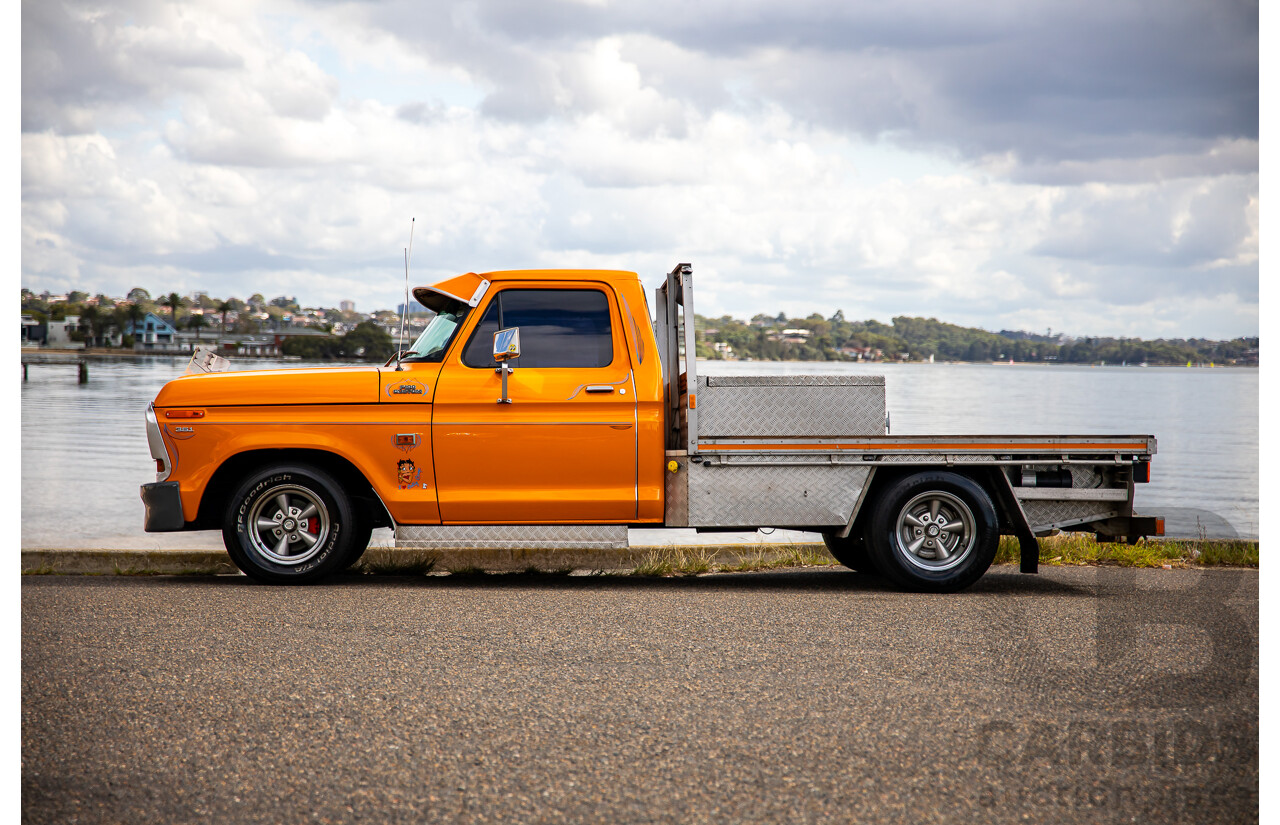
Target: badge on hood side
x: 406, y: 387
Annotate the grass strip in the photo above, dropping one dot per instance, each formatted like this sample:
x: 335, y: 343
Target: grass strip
x: 694, y: 561
x: 1082, y: 548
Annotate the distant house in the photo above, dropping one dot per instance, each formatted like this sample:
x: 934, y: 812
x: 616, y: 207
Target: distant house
x: 32, y: 331
x: 791, y: 336
x: 59, y: 336
x: 152, y: 332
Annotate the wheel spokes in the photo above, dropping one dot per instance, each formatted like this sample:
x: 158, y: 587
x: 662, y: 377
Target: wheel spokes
x: 935, y: 530
x: 289, y: 525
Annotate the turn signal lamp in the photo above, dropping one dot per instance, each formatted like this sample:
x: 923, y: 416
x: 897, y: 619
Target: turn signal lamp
x: 184, y: 414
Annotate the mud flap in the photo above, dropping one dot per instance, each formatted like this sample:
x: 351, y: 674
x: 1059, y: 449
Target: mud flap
x: 1029, y: 547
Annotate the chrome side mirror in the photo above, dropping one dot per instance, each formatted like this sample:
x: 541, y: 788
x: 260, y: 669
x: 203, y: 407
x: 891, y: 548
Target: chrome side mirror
x: 506, y: 346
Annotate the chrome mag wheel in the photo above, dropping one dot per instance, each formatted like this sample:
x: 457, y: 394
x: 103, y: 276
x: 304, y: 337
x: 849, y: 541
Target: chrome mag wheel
x: 288, y: 524
x: 935, y: 531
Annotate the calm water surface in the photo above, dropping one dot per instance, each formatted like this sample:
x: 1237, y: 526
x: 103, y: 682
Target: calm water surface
x: 84, y: 447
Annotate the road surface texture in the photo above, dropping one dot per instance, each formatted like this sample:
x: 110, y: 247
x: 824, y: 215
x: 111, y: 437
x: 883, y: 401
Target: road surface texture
x: 1078, y: 695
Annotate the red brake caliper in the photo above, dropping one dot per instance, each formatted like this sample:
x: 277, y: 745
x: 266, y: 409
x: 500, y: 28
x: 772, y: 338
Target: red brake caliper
x: 313, y: 526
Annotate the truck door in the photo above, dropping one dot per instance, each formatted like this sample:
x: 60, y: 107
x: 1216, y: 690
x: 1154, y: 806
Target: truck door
x: 564, y: 448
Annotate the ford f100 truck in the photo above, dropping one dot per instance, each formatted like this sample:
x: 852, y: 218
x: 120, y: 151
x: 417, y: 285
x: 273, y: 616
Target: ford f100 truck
x: 546, y: 408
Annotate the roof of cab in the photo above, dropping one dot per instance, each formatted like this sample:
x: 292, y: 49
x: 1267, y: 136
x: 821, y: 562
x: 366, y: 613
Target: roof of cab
x: 470, y: 287
x: 561, y: 275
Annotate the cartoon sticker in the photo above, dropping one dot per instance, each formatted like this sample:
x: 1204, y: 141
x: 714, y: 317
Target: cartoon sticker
x: 407, y: 441
x: 406, y: 387
x: 407, y: 474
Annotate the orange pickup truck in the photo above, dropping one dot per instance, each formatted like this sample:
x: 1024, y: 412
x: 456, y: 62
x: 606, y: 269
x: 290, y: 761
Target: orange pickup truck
x: 546, y: 408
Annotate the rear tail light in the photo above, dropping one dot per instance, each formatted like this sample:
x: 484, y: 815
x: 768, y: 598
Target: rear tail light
x: 1159, y: 527
x: 1142, y: 472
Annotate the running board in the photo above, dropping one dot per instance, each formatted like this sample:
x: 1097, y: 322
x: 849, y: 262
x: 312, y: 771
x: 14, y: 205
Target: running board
x: 514, y: 537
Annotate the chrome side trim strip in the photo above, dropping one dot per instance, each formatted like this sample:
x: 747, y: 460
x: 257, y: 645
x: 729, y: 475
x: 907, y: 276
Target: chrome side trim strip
x: 622, y: 423
x: 207, y: 423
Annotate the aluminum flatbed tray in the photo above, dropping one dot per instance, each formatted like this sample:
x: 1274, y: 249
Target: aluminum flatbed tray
x: 929, y: 449
x: 1137, y: 445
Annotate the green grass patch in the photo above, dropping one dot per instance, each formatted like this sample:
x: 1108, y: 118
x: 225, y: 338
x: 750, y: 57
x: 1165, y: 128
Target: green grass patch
x: 695, y: 561
x: 1082, y: 548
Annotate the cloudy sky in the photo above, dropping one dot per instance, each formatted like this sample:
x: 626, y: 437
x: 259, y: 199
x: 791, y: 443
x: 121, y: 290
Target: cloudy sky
x: 1086, y: 166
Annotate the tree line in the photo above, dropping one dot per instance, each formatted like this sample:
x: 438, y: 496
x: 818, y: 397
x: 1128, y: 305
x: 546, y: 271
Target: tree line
x: 102, y: 318
x: 917, y: 339
x: 761, y: 339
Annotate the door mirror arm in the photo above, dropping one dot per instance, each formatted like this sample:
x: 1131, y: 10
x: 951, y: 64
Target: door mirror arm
x: 506, y: 346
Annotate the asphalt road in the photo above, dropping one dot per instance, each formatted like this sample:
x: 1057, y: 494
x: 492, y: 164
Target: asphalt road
x: 1081, y: 694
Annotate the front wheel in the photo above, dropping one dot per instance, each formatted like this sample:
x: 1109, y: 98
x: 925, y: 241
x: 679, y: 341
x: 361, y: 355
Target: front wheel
x: 933, y: 531
x: 289, y: 524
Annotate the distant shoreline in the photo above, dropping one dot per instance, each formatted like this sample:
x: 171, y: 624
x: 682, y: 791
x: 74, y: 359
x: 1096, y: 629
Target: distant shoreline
x: 120, y: 353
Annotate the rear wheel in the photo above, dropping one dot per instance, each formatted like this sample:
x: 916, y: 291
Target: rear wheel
x: 851, y: 551
x: 933, y: 531
x: 289, y: 524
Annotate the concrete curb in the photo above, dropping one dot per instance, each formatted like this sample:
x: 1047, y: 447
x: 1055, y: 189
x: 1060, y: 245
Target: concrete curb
x: 217, y: 562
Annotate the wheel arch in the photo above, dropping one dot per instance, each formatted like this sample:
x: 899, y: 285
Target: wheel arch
x: 233, y: 470
x: 992, y: 480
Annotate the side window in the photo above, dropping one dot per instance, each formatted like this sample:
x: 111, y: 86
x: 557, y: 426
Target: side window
x: 559, y: 328
x: 479, y: 351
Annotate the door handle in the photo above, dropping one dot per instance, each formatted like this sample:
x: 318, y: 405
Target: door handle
x: 606, y: 388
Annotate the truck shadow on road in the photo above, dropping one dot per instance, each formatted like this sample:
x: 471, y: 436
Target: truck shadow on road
x: 825, y: 580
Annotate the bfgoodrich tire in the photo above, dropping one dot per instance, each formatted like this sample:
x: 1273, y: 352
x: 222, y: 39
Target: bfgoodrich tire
x: 933, y: 531
x: 289, y: 524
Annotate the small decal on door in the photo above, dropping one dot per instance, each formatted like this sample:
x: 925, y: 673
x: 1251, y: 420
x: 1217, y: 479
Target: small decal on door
x: 407, y: 474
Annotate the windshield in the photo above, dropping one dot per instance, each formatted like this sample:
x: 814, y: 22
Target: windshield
x: 434, y: 340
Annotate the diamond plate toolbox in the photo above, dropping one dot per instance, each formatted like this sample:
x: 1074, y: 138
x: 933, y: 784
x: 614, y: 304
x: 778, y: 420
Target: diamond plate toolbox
x: 770, y: 495
x: 790, y: 405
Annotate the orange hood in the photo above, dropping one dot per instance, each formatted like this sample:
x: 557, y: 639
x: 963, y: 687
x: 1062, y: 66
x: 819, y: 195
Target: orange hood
x: 341, y: 385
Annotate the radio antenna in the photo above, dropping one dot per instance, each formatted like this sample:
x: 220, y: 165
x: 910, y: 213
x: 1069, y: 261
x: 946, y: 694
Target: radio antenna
x: 405, y: 315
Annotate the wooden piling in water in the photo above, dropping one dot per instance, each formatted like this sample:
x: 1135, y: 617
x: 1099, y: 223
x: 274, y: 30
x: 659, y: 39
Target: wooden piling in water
x: 84, y: 372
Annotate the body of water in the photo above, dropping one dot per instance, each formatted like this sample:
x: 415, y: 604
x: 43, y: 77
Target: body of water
x: 84, y: 446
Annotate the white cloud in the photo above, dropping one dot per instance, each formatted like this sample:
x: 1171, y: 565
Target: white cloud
x: 282, y: 148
